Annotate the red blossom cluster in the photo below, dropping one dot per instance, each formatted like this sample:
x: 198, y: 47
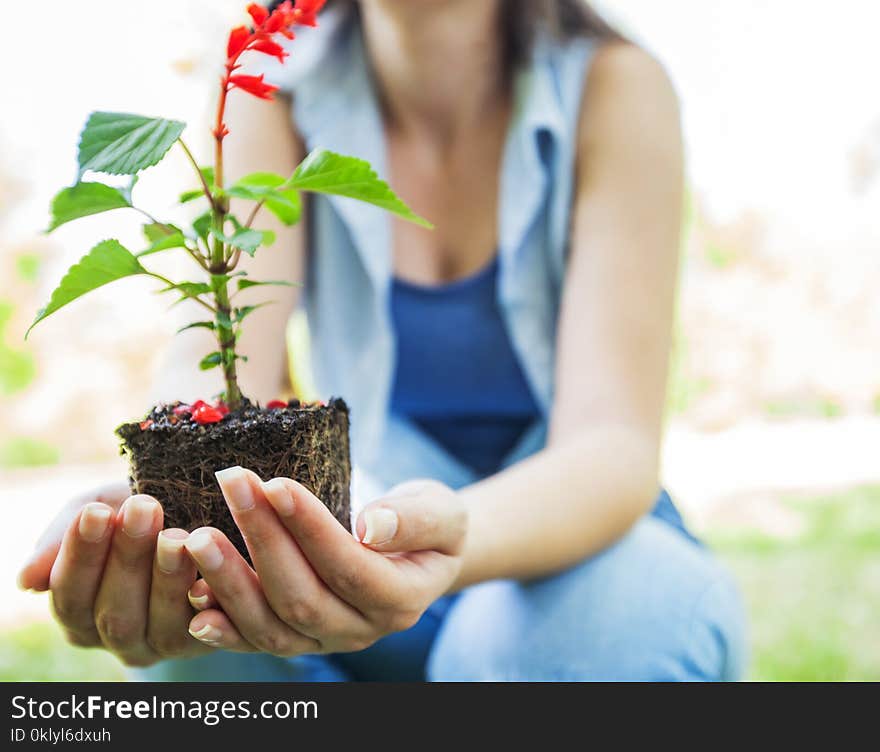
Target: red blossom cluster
x: 281, y: 20
x: 201, y: 412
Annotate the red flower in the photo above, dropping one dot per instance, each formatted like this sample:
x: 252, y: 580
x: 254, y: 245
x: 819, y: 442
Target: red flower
x: 254, y: 85
x: 238, y: 38
x: 258, y: 13
x: 307, y: 11
x: 281, y: 20
x: 269, y: 47
x: 206, y: 414
x: 275, y: 404
x: 280, y: 17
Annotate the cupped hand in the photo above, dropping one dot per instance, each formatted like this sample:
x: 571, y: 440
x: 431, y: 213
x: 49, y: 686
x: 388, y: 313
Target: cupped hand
x: 117, y: 582
x: 314, y: 587
x: 34, y: 575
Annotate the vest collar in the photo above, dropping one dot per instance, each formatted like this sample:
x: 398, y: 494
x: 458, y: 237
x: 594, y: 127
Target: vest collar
x: 336, y: 107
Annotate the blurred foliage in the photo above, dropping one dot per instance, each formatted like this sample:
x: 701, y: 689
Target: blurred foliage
x: 719, y: 256
x: 17, y: 367
x: 23, y: 451
x: 27, y: 265
x: 803, y: 407
x: 813, y: 599
x: 17, y: 371
x: 684, y: 389
x: 38, y: 652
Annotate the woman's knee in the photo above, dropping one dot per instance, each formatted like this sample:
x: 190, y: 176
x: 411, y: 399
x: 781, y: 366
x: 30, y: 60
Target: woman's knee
x: 654, y: 606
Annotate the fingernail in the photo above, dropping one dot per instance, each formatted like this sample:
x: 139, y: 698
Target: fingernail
x: 198, y: 602
x: 169, y: 550
x: 94, y: 521
x: 279, y: 496
x: 198, y: 595
x: 236, y: 488
x: 380, y: 524
x: 207, y: 634
x: 137, y: 515
x: 206, y: 553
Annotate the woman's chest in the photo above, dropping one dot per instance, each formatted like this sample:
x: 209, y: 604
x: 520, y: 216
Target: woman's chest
x: 458, y: 192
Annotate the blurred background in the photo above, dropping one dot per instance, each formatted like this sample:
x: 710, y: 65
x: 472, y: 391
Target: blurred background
x: 775, y: 396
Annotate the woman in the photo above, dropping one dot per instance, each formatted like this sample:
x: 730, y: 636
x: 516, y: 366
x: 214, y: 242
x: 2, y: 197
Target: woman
x: 516, y: 356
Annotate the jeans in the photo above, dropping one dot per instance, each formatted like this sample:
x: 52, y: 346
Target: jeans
x: 655, y: 606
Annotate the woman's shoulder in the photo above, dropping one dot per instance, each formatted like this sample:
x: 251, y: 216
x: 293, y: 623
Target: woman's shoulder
x: 627, y: 93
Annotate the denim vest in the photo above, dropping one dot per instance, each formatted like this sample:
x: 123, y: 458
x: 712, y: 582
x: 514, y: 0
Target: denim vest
x: 350, y: 267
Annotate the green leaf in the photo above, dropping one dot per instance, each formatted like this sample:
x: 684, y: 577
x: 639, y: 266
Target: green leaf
x: 197, y: 325
x: 84, y: 199
x: 158, y: 230
x: 246, y: 239
x: 244, y: 311
x: 202, y: 225
x: 323, y: 171
x: 208, y: 175
x: 191, y: 195
x: 243, y: 284
x: 284, y: 203
x: 189, y: 289
x: 210, y: 361
x: 162, y: 237
x: 123, y: 144
x: 106, y: 262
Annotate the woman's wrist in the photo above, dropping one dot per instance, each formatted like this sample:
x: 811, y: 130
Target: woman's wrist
x: 477, y: 540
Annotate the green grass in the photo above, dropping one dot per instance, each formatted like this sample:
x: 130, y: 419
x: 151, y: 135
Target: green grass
x: 813, y: 600
x: 38, y: 652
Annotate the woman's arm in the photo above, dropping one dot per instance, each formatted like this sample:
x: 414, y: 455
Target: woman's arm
x: 599, y: 472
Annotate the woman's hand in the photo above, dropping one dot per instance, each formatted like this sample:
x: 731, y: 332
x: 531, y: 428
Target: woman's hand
x: 115, y: 580
x: 316, y: 588
x: 34, y: 575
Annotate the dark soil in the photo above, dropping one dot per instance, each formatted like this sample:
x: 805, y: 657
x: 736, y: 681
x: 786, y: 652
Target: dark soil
x: 173, y: 458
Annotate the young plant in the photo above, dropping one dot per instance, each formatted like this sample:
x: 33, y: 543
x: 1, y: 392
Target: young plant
x: 125, y: 144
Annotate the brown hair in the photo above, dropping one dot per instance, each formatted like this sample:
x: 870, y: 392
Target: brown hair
x: 565, y: 19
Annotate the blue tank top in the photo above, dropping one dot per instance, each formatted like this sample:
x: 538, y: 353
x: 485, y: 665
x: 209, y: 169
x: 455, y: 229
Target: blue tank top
x: 457, y: 376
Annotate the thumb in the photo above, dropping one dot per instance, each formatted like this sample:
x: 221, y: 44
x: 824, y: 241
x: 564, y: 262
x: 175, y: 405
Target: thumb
x: 415, y: 516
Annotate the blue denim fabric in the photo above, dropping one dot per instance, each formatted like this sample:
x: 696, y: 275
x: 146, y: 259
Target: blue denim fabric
x: 653, y: 606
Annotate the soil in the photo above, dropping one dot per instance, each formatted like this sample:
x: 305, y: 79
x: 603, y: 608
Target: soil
x: 173, y: 458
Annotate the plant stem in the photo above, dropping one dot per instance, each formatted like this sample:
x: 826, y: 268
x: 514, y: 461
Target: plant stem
x: 205, y: 187
x: 226, y: 340
x: 168, y: 230
x: 253, y: 214
x: 219, y: 260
